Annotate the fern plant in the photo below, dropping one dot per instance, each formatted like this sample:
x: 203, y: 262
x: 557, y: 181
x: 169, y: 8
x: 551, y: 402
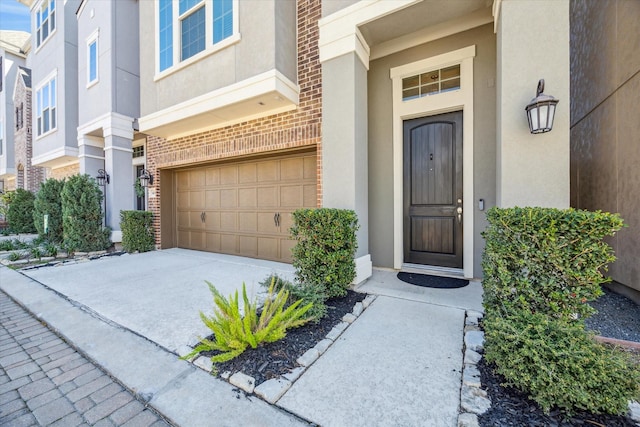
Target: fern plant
x: 233, y: 333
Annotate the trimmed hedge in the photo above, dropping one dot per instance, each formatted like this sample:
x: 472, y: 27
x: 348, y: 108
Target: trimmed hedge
x: 49, y: 202
x: 20, y: 212
x: 326, y: 246
x: 82, y: 215
x: 137, y: 231
x: 546, y: 260
x: 541, y: 266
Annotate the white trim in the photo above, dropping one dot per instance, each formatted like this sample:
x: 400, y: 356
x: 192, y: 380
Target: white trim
x: 252, y: 87
x: 90, y: 156
x: 35, y: 20
x: 431, y: 33
x: 55, y: 155
x: 495, y: 9
x: 115, y: 148
x: 94, y: 37
x: 111, y: 124
x: 456, y: 100
x: 339, y: 33
x: 364, y: 269
x: 116, y: 236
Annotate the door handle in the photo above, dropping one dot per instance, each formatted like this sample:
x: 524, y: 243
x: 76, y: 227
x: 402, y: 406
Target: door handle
x: 202, y: 216
x: 459, y: 211
x: 275, y: 219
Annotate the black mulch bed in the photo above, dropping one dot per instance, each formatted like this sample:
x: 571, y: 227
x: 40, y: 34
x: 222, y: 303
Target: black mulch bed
x: 275, y: 359
x: 510, y: 407
x: 618, y: 317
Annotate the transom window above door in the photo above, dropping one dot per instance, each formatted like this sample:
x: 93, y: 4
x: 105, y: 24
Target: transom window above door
x: 431, y: 83
x: 187, y: 28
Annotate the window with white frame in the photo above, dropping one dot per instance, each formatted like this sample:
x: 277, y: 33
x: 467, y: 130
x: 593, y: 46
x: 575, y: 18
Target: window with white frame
x: 188, y: 27
x: 46, y: 107
x: 92, y: 59
x: 45, y: 20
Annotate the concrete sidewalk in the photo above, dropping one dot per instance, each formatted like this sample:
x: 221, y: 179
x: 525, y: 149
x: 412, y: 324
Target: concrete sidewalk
x: 399, y: 363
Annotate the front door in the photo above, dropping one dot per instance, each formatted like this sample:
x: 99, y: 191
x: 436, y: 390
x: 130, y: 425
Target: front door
x: 433, y: 190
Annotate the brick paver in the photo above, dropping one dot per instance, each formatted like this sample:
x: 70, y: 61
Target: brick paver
x: 44, y: 381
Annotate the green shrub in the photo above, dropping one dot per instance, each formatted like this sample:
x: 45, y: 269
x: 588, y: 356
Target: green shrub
x: 546, y: 260
x: 7, y: 245
x: 51, y: 249
x: 559, y: 364
x: 308, y: 293
x: 234, y: 333
x: 20, y: 212
x: 15, y: 256
x: 82, y: 215
x: 36, y: 253
x: 326, y: 246
x: 137, y: 231
x: 49, y: 202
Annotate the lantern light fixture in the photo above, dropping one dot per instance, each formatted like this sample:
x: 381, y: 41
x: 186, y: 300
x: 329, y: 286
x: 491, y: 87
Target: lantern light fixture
x: 541, y: 111
x: 102, y: 178
x: 146, y: 179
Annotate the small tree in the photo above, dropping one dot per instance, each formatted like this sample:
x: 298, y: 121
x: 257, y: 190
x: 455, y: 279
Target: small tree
x: 82, y: 215
x: 49, y: 202
x: 20, y: 212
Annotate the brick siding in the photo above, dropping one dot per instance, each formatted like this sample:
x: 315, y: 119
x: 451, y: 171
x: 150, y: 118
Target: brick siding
x: 294, y: 129
x: 29, y: 177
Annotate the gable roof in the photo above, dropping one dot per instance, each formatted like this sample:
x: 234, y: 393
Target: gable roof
x: 25, y: 74
x: 14, y: 41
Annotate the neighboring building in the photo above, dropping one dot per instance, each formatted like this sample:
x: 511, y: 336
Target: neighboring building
x: 14, y: 46
x: 54, y: 75
x: 108, y: 100
x: 605, y: 130
x: 410, y: 112
x: 28, y: 177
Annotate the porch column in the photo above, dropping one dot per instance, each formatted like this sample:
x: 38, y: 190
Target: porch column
x: 532, y: 44
x: 118, y: 160
x: 344, y: 146
x: 91, y: 154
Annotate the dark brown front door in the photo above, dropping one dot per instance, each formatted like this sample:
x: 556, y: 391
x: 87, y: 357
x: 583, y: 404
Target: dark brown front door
x: 433, y: 190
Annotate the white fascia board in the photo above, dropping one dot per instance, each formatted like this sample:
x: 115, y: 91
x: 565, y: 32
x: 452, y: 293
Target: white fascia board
x: 111, y: 124
x: 263, y: 83
x: 52, y: 158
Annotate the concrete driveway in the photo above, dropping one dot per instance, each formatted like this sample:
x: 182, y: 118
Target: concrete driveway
x: 158, y: 294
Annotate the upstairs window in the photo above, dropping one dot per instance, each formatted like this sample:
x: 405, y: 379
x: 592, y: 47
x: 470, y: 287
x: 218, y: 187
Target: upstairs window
x: 46, y: 107
x: 92, y: 60
x: 20, y: 116
x: 189, y: 27
x: 45, y: 21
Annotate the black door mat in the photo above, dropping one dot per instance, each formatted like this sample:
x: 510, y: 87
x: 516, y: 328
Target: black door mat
x: 432, y: 281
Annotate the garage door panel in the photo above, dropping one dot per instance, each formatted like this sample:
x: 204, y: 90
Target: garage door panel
x: 196, y: 199
x: 286, y: 222
x: 310, y: 167
x: 183, y: 238
x: 212, y: 220
x: 248, y: 245
x: 213, y: 242
x: 268, y: 248
x: 229, y: 243
x: 229, y: 198
x: 266, y: 222
x: 228, y: 221
x: 248, y: 221
x: 268, y: 171
x: 291, y: 196
x: 183, y: 199
x: 197, y: 178
x: 310, y: 196
x: 248, y: 198
x: 183, y: 219
x: 285, y: 249
x: 183, y: 180
x: 247, y: 173
x: 212, y: 199
x: 212, y: 176
x: 195, y: 220
x: 197, y: 240
x: 229, y: 175
x: 267, y: 197
x: 291, y: 169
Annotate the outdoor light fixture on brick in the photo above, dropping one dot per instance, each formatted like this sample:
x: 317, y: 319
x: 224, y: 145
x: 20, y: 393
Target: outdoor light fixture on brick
x: 102, y: 178
x: 541, y: 111
x: 146, y: 179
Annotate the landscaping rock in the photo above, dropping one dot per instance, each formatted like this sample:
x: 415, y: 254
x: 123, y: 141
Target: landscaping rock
x: 323, y: 345
x: 225, y: 375
x: 474, y: 340
x: 368, y: 300
x: 308, y: 357
x: 243, y: 382
x: 471, y: 357
x: 204, y: 363
x: 273, y: 389
x: 337, y: 331
x: 349, y: 318
x: 357, y: 309
x: 474, y: 400
x: 471, y: 376
x: 468, y: 420
x: 294, y: 374
x: 634, y: 411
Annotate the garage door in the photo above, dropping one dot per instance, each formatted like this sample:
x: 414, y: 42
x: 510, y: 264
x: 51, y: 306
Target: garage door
x: 244, y: 208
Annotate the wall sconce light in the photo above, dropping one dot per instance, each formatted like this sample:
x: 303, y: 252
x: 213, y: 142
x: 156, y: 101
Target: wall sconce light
x: 102, y: 178
x: 541, y: 111
x: 146, y: 179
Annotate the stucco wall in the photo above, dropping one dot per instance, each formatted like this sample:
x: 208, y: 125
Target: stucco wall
x: 331, y: 6
x: 254, y: 54
x: 380, y: 136
x: 605, y: 131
